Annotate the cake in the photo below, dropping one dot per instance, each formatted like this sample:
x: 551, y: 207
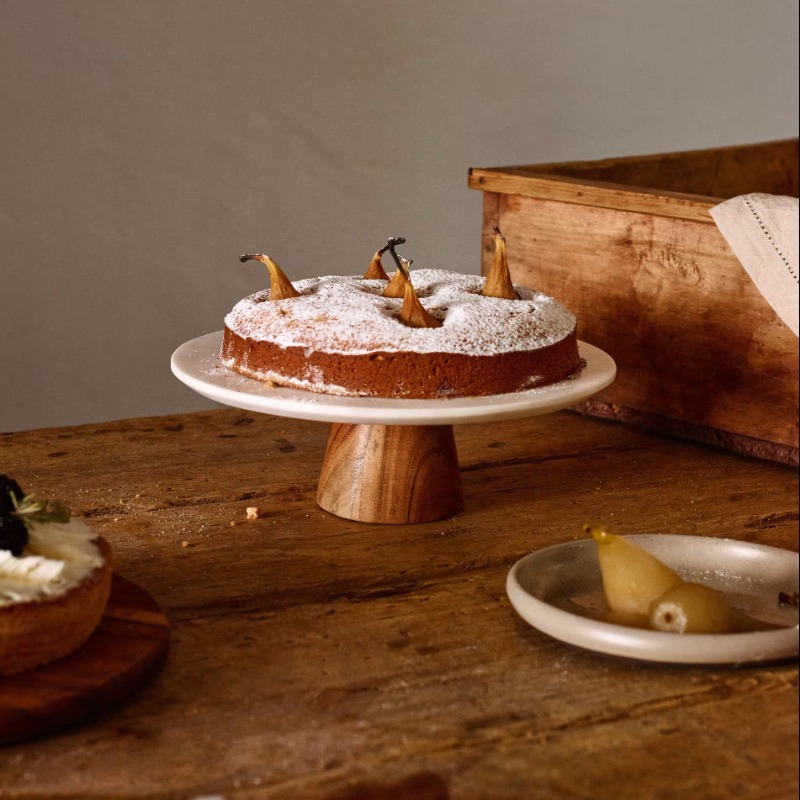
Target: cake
x: 55, y: 579
x: 424, y: 334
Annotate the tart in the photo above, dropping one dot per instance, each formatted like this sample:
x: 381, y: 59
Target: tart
x: 53, y: 588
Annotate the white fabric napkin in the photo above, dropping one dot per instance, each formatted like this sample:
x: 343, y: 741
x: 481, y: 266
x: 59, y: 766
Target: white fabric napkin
x: 762, y: 230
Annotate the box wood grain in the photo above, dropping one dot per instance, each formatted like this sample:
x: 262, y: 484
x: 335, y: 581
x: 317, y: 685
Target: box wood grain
x: 630, y: 247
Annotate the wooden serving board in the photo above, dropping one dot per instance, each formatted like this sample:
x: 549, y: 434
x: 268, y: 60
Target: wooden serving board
x: 126, y: 650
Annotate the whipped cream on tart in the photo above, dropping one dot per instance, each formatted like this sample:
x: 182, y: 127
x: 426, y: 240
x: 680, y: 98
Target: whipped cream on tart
x: 54, y: 586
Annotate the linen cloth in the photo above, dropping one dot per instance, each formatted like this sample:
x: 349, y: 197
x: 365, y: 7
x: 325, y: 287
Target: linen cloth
x: 762, y: 231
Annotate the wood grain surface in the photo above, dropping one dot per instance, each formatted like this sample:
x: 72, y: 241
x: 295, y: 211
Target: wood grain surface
x: 684, y: 185
x: 391, y: 473
x: 126, y: 651
x: 313, y: 656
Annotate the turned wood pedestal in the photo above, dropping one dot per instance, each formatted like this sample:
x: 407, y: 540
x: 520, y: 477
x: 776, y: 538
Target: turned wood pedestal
x: 391, y: 473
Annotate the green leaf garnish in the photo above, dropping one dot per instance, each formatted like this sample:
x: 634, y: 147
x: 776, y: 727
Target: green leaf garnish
x: 30, y: 510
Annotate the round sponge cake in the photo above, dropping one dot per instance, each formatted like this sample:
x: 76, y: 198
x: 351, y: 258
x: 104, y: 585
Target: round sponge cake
x: 342, y: 337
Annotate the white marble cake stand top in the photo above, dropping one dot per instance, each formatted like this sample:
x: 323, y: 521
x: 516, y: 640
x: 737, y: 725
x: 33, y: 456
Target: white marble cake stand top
x: 197, y: 364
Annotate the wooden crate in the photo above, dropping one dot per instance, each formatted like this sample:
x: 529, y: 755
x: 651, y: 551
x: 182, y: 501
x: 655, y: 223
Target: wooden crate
x: 629, y: 246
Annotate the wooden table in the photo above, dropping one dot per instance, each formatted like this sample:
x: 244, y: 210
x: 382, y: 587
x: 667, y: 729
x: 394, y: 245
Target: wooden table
x: 314, y: 656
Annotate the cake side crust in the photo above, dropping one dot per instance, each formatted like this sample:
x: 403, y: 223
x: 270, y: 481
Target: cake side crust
x: 402, y: 375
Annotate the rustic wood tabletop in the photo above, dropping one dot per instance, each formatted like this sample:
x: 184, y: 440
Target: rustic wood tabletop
x: 313, y: 656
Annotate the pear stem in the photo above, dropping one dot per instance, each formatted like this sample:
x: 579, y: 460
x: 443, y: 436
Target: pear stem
x: 413, y: 313
x: 375, y: 271
x: 390, y: 246
x: 393, y: 242
x: 396, y: 286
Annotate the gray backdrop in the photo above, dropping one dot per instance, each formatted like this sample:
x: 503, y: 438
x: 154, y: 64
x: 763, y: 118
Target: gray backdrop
x: 145, y: 144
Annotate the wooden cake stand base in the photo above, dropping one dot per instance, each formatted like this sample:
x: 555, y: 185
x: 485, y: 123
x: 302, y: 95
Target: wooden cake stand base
x: 387, y: 460
x: 391, y: 473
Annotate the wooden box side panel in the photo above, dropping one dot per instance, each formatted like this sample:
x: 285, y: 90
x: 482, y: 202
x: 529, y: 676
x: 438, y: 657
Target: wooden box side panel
x: 693, y: 339
x: 721, y: 172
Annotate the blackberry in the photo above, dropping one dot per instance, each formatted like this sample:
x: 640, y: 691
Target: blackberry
x: 13, y: 535
x: 8, y: 485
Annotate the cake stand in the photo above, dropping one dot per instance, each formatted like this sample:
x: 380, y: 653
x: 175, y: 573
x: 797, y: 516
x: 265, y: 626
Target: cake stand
x: 387, y: 460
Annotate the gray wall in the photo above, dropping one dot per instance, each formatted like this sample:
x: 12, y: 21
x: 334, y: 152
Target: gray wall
x: 145, y: 144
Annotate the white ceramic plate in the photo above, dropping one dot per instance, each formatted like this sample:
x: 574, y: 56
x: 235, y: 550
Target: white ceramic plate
x: 558, y: 590
x: 197, y: 364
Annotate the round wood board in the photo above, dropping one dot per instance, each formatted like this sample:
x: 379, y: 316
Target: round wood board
x: 126, y: 650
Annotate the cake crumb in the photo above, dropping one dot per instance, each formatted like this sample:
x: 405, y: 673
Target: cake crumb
x: 253, y: 513
x: 184, y: 543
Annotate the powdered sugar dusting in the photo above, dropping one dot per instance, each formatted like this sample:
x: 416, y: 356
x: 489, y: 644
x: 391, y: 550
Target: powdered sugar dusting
x: 348, y: 315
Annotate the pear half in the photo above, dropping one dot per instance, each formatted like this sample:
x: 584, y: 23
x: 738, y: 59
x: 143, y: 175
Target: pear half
x: 280, y: 287
x: 632, y: 577
x: 498, y: 279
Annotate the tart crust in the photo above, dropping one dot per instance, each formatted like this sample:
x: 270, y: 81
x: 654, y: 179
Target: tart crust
x: 40, y: 631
